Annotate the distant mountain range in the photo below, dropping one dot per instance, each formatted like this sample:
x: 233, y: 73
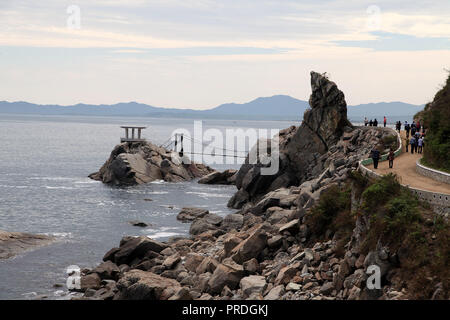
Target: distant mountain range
x: 279, y: 107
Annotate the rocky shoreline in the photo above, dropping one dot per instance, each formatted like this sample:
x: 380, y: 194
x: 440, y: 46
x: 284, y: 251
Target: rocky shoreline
x: 14, y: 243
x: 271, y: 248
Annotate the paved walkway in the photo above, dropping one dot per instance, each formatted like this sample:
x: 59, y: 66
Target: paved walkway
x: 405, y: 168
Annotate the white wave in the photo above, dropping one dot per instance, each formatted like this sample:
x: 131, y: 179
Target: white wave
x: 63, y: 188
x: 86, y: 181
x: 158, y: 192
x: 158, y: 182
x: 29, y: 294
x: 169, y: 228
x: 209, y: 195
x: 62, y: 235
x: 52, y: 178
x: 16, y: 187
x: 163, y: 234
x: 60, y: 293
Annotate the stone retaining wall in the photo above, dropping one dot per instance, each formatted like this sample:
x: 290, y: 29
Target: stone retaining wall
x: 439, y: 201
x: 432, y: 173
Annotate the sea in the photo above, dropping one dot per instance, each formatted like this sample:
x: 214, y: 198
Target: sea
x: 44, y: 189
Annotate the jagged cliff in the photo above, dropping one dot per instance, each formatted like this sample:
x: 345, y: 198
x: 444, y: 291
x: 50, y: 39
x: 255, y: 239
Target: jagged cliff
x: 324, y: 138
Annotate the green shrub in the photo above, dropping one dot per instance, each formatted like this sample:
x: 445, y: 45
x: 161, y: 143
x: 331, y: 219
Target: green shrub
x: 382, y: 189
x: 331, y: 202
x: 402, y: 211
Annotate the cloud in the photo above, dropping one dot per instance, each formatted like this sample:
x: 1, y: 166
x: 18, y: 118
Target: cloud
x: 385, y: 41
x: 211, y: 51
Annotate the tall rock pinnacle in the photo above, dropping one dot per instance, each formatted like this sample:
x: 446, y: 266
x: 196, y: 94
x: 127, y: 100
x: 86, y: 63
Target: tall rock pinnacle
x: 301, y: 149
x: 328, y: 114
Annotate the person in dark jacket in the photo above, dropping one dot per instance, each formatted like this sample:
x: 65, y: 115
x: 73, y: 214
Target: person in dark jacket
x: 416, y: 143
x: 375, y: 122
x: 412, y: 142
x: 370, y: 123
x: 391, y: 157
x: 407, y: 129
x: 375, y: 158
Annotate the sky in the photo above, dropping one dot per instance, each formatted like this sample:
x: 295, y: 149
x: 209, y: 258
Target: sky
x: 201, y: 53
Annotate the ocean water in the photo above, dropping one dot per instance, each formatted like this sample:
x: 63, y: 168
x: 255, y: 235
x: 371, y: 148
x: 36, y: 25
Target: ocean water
x: 44, y: 189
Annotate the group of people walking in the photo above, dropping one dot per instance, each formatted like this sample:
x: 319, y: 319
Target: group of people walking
x: 415, y: 140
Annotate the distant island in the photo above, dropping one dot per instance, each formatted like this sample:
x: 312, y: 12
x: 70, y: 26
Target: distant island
x: 278, y: 107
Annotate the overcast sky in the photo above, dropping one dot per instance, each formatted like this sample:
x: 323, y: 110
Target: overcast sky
x: 202, y: 53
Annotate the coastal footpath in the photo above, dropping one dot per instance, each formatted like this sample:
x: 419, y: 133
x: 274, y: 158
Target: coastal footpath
x: 310, y: 232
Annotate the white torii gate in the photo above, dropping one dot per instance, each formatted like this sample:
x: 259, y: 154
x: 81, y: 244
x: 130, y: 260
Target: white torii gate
x: 132, y: 138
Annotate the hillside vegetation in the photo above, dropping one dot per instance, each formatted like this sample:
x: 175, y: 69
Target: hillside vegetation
x: 416, y: 238
x: 436, y: 117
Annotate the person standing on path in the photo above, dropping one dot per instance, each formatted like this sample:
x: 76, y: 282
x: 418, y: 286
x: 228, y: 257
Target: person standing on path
x: 407, y: 128
x: 366, y: 122
x: 384, y: 121
x: 412, y: 142
x: 420, y: 143
x: 406, y: 144
x: 375, y: 158
x: 391, y: 157
x: 416, y: 145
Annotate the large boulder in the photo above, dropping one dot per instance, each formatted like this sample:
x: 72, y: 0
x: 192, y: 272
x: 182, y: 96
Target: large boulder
x: 190, y: 214
x: 90, y: 281
x: 225, y: 275
x: 252, y: 285
x: 233, y: 221
x: 142, y: 285
x: 251, y: 247
x: 107, y: 270
x: 226, y: 177
x: 132, y: 248
x: 132, y: 163
x: 210, y: 221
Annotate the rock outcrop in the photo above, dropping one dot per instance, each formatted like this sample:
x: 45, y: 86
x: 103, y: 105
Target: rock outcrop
x: 305, y: 151
x: 132, y: 163
x: 13, y: 243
